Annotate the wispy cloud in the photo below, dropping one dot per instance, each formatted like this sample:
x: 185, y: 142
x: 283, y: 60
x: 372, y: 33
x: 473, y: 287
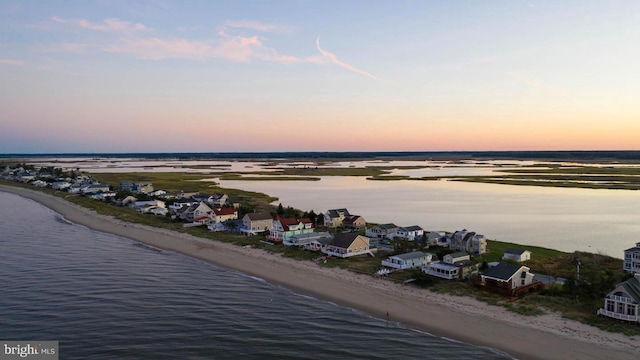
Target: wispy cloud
x: 11, y: 62
x: 334, y: 59
x: 257, y: 26
x: 135, y: 40
x: 232, y: 48
x: 108, y: 25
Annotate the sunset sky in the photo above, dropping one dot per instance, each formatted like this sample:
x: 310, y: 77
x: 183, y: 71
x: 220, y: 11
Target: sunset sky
x: 228, y: 76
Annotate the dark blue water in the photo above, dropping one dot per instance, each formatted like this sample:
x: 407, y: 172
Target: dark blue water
x: 106, y: 297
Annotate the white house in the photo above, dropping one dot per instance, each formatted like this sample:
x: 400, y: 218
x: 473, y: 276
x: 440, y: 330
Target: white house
x: 305, y: 239
x: 410, y: 233
x: 632, y: 259
x: 518, y: 255
x: 416, y: 259
x: 623, y: 303
x: 381, y: 231
x: 442, y: 270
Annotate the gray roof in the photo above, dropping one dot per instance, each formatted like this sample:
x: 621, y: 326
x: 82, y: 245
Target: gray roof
x: 458, y: 254
x: 343, y: 240
x: 514, y: 251
x: 413, y: 228
x: 411, y: 255
x: 502, y: 271
x: 336, y: 212
x: 632, y: 287
x: 259, y: 216
x: 313, y: 235
x: 387, y: 226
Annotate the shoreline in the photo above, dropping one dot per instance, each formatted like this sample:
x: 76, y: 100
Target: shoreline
x: 458, y: 318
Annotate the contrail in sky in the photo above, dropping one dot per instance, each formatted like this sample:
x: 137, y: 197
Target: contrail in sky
x: 335, y: 60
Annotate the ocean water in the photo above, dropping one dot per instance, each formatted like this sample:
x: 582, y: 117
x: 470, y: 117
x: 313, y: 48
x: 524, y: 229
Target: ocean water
x: 107, y: 297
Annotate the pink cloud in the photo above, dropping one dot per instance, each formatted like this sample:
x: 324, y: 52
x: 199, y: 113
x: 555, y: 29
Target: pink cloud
x: 109, y: 25
x: 334, y: 59
x: 11, y: 62
x: 257, y: 26
x: 131, y: 41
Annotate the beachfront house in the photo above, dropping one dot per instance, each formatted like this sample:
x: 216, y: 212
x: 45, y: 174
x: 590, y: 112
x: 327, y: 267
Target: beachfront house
x: 512, y: 279
x: 255, y: 223
x: 410, y: 233
x: 632, y: 259
x: 304, y: 239
x: 196, y: 213
x: 518, y: 255
x: 456, y: 257
x: 470, y: 242
x: 354, y: 222
x: 415, y: 259
x: 220, y: 200
x: 623, y: 303
x: 182, y: 202
x: 144, y: 188
x: 60, y: 185
x: 334, y: 217
x: 224, y: 214
x: 94, y: 188
x: 382, y: 231
x: 442, y: 270
x: 185, y: 194
x: 284, y: 228
x: 318, y: 244
x: 435, y: 238
x: 345, y: 245
x: 155, y: 210
x: 137, y: 205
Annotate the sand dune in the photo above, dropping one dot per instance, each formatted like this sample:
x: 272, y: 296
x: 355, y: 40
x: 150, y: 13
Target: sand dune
x: 465, y: 319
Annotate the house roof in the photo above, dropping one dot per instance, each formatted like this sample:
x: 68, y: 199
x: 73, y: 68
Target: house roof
x: 224, y: 211
x: 634, y: 249
x: 458, y: 254
x: 351, y: 219
x: 259, y: 216
x: 411, y: 255
x: 632, y: 287
x: 343, y: 240
x: 313, y: 235
x: 413, y: 228
x: 515, y: 251
x: 336, y: 212
x: 502, y: 271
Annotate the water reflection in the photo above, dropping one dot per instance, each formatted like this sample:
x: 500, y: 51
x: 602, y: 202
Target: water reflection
x: 566, y: 219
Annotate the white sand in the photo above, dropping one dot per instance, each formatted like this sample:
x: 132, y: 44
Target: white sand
x: 461, y: 318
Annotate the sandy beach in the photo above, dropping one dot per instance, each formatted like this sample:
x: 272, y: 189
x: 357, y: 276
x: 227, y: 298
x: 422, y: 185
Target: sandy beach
x: 464, y: 319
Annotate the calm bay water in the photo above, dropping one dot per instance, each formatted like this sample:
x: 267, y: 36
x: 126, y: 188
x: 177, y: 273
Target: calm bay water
x: 107, y: 297
x: 605, y: 221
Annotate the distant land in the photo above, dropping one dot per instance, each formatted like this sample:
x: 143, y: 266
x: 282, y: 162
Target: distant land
x: 573, y: 155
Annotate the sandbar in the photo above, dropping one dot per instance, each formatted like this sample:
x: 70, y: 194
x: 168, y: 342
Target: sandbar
x: 465, y: 319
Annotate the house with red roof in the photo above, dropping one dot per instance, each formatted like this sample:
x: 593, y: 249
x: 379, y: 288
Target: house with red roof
x: 284, y: 228
x: 224, y: 214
